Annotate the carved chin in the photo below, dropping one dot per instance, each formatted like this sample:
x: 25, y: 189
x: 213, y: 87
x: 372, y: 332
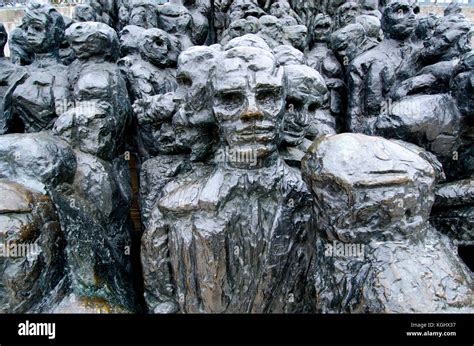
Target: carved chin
x: 260, y: 150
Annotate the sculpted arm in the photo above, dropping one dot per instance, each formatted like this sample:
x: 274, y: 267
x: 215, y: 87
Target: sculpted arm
x: 159, y: 285
x: 355, y: 98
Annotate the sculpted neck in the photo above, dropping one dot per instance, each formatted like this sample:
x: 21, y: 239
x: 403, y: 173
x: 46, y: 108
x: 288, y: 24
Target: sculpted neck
x: 46, y: 59
x: 246, y: 159
x: 320, y: 44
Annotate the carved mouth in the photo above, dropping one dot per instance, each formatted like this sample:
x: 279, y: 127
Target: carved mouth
x: 256, y: 130
x: 255, y: 134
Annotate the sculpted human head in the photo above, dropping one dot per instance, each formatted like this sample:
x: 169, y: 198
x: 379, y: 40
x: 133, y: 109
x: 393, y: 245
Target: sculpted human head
x: 20, y: 51
x: 426, y: 26
x: 84, y: 13
x: 297, y: 35
x: 144, y: 13
x: 347, y: 13
x: 242, y: 27
x: 44, y: 28
x: 93, y: 39
x: 248, y: 100
x: 399, y: 19
x: 450, y: 39
x: 347, y: 41
x: 130, y: 39
x: 194, y: 117
x: 192, y: 76
x: 307, y: 93
x: 244, y: 8
x: 174, y: 18
x: 369, y: 5
x: 270, y: 26
x: 280, y: 9
x: 368, y: 188
x: 322, y: 28
x: 288, y: 55
x: 156, y: 47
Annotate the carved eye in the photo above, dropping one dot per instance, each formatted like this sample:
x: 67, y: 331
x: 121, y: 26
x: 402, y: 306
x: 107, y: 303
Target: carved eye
x: 37, y: 28
x: 293, y: 104
x: 231, y: 98
x: 159, y: 42
x: 401, y: 11
x: 313, y: 107
x: 267, y: 96
x: 184, y: 81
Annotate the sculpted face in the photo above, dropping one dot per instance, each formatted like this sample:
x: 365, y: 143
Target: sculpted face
x: 242, y: 27
x: 143, y: 14
x: 297, y: 35
x: 270, y: 26
x: 322, y: 28
x: 192, y: 76
x: 464, y: 43
x: 155, y: 46
x: 399, y: 19
x: 347, y: 41
x: 92, y: 39
x: 130, y: 39
x: 36, y: 34
x: 280, y: 9
x: 43, y: 27
x: 347, y: 13
x: 307, y: 93
x: 244, y: 8
x: 369, y: 5
x: 84, y: 13
x: 248, y: 100
x: 174, y: 18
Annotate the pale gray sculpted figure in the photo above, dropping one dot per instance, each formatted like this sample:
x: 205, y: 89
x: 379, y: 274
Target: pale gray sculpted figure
x: 322, y: 59
x: 94, y: 126
x: 177, y: 20
x: 200, y: 224
x: 376, y: 251
x: 248, y: 199
x: 42, y: 86
x: 307, y: 115
x: 177, y: 129
x: 154, y: 72
x: 376, y: 104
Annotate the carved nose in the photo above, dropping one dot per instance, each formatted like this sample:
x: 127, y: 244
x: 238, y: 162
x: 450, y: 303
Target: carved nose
x: 252, y: 112
x: 302, y: 119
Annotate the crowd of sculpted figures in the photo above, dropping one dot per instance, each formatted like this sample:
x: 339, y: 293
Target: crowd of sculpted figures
x: 293, y: 156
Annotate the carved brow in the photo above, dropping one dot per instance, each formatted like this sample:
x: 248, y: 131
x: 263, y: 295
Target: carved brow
x: 268, y: 88
x: 230, y: 91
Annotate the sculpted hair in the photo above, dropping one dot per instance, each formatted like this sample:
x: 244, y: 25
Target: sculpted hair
x: 48, y: 15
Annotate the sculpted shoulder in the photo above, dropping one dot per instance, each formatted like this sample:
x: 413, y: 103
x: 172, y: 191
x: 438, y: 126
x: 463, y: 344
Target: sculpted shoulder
x: 368, y: 58
x: 182, y: 195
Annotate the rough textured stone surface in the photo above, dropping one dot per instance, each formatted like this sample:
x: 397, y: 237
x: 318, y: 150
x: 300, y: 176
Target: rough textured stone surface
x: 244, y: 198
x: 42, y: 86
x: 32, y: 246
x: 217, y: 253
x: 375, y: 199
